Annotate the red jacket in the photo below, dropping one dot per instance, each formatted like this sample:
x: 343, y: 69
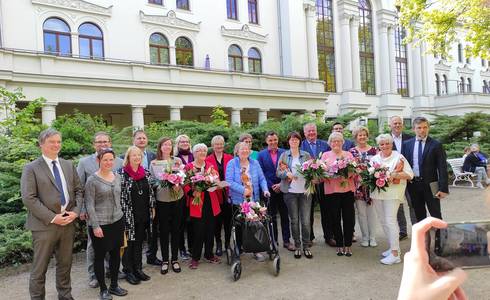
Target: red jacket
x: 195, y: 211
x: 211, y: 160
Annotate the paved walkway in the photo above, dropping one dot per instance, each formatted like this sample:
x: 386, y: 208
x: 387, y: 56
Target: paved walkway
x: 326, y: 276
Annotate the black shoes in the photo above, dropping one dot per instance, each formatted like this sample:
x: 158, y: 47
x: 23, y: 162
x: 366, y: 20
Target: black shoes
x: 104, y: 295
x: 132, y: 279
x: 403, y: 236
x: 176, y: 267
x: 141, y: 275
x: 118, y: 291
x: 153, y: 261
x: 219, y: 251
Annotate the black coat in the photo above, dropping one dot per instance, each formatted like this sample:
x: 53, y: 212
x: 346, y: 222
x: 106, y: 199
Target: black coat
x: 404, y: 138
x: 472, y: 161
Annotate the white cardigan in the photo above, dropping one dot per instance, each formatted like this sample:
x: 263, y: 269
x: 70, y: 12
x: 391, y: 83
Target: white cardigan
x: 393, y: 191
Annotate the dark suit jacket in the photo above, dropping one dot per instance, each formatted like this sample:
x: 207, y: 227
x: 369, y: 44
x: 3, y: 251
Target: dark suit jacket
x: 268, y: 167
x: 472, y: 161
x: 404, y: 138
x: 434, y: 165
x: 41, y: 195
x: 321, y: 146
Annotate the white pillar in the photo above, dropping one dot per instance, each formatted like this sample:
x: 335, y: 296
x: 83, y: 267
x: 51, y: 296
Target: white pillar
x: 175, y: 113
x: 173, y: 58
x: 423, y: 68
x: 48, y: 113
x: 355, y: 60
x: 75, y: 50
x: 345, y: 56
x: 385, y: 75
x: 310, y: 11
x: 391, y: 49
x: 138, y: 116
x: 263, y: 115
x: 417, y: 71
x: 235, y: 116
x: 245, y: 64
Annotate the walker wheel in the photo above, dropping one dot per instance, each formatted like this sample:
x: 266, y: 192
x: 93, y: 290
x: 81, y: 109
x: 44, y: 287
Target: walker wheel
x: 236, y: 270
x: 276, y: 265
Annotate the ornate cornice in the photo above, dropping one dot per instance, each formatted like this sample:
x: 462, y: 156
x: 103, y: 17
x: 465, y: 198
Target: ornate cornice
x: 244, y: 34
x: 485, y: 73
x: 170, y: 20
x: 76, y: 5
x: 466, y: 70
x: 441, y: 66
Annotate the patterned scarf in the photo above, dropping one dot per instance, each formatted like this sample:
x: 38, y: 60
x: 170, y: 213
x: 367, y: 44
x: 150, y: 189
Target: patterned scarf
x: 139, y: 174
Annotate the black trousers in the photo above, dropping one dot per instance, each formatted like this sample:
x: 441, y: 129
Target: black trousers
x: 277, y: 205
x: 327, y: 227
x: 151, y: 253
x: 421, y: 196
x: 341, y: 210
x: 203, y: 231
x: 133, y: 254
x: 170, y: 215
x: 223, y: 221
x: 238, y: 229
x: 185, y: 226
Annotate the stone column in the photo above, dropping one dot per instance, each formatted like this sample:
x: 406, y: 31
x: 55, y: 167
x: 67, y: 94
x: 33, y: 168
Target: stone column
x: 385, y: 76
x: 263, y: 115
x: 355, y: 60
x: 173, y: 58
x: 175, y: 113
x: 75, y: 49
x: 345, y: 56
x: 417, y: 71
x: 138, y: 116
x: 310, y: 11
x: 245, y: 64
x: 235, y: 116
x: 48, y: 113
x: 391, y: 50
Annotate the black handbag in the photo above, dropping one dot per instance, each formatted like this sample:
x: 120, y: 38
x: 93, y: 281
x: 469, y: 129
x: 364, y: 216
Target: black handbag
x: 255, y: 237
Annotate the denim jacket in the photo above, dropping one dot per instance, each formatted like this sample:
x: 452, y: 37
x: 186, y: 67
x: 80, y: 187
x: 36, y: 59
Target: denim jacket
x: 287, y: 158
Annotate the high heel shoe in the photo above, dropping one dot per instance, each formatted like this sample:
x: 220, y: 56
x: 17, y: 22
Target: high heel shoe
x: 340, y: 252
x: 348, y: 252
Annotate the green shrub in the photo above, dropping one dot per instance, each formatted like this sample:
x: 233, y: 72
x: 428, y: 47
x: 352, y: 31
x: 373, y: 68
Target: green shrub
x: 15, y: 242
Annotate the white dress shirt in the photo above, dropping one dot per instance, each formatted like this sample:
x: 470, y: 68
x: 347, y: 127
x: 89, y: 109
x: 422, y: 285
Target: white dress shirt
x: 49, y: 161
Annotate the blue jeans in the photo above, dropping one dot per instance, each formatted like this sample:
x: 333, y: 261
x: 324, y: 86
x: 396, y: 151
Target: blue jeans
x: 299, y: 209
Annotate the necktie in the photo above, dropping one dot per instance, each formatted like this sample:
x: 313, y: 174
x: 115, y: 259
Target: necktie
x: 420, y: 156
x: 57, y: 178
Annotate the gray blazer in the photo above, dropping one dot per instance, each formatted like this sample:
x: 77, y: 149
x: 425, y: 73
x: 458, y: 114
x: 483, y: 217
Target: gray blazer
x: 103, y: 200
x: 41, y: 195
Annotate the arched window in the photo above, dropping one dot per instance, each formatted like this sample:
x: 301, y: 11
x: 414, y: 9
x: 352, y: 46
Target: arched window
x: 183, y: 4
x: 444, y: 85
x: 253, y: 12
x: 183, y: 52
x: 254, y: 61
x: 325, y: 44
x: 235, y: 59
x: 468, y: 86
x: 401, y: 62
x: 461, y: 85
x: 366, y: 51
x: 159, y: 53
x: 57, y: 37
x: 91, y: 41
x: 438, y: 85
x: 460, y: 53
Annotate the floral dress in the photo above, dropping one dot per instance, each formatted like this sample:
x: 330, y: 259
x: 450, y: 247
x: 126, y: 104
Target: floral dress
x: 362, y: 192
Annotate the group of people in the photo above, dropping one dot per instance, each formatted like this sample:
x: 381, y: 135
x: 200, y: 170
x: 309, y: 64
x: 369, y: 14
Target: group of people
x: 123, y: 203
x: 475, y: 161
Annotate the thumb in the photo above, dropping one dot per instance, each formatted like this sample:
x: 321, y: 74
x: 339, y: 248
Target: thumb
x: 446, y: 284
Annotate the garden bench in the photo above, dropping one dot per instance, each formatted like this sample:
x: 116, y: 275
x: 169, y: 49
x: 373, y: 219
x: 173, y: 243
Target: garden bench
x: 460, y: 175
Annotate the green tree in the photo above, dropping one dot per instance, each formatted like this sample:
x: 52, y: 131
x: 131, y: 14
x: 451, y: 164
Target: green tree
x: 437, y: 22
x: 219, y: 117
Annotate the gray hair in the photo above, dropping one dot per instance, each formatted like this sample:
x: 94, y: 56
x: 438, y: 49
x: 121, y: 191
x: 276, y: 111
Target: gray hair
x: 47, y: 133
x: 216, y: 139
x: 199, y: 147
x: 394, y: 117
x: 384, y: 137
x: 308, y: 125
x: 238, y: 146
x: 99, y: 133
x: 245, y: 136
x: 475, y: 147
x: 335, y: 135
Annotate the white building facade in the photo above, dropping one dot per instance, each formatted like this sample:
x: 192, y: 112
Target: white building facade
x: 140, y: 61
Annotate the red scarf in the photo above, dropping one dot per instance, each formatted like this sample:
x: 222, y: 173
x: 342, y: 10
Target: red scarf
x: 135, y: 175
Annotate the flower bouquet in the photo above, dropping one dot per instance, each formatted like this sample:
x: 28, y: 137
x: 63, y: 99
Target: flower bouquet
x: 171, y: 178
x: 252, y: 211
x: 376, y: 177
x: 202, y: 181
x: 313, y: 170
x: 341, y: 168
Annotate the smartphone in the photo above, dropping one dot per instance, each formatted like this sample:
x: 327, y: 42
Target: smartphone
x: 464, y: 245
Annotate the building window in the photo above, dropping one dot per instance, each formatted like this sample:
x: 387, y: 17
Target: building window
x: 485, y: 87
x: 444, y: 85
x: 235, y: 59
x: 461, y: 85
x: 183, y: 4
x: 183, y: 52
x: 254, y: 61
x: 57, y: 37
x: 483, y: 63
x: 159, y: 53
x: 460, y: 53
x: 231, y: 9
x: 91, y: 41
x: 468, y: 85
x: 325, y: 44
x: 253, y: 12
x: 401, y: 62
x: 159, y: 2
x: 366, y: 51
x: 438, y: 85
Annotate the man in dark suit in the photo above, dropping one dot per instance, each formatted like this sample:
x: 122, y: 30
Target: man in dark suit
x: 396, y: 126
x: 348, y: 144
x: 140, y: 140
x: 315, y: 147
x: 51, y: 191
x: 268, y: 159
x: 428, y: 161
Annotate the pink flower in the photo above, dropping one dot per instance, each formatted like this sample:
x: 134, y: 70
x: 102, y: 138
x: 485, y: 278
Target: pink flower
x: 376, y: 165
x: 383, y: 176
x: 197, y: 178
x: 342, y: 164
x: 334, y: 168
x: 380, y: 182
x: 314, y: 166
x: 245, y: 206
x: 172, y: 178
x: 377, y: 174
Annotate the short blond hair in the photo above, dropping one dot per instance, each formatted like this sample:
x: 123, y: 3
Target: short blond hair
x: 128, y: 152
x: 358, y: 130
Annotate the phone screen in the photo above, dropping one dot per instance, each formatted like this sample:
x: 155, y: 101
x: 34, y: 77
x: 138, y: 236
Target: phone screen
x: 463, y: 245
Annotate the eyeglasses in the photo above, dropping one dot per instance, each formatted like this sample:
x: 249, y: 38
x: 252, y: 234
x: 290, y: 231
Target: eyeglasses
x: 102, y: 142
